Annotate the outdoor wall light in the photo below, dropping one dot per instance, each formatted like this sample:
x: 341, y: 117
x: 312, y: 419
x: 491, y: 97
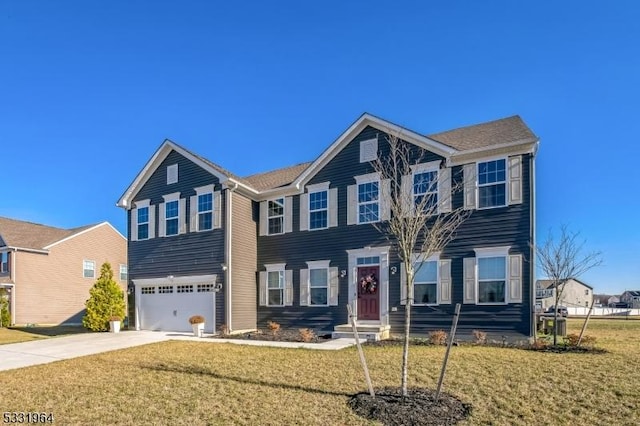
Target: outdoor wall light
x: 394, y: 269
x: 343, y: 273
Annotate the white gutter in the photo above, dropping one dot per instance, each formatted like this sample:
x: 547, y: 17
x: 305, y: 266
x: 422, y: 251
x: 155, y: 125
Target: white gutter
x: 29, y: 250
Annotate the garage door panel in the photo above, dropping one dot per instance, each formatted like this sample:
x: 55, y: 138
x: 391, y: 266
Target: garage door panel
x: 170, y: 311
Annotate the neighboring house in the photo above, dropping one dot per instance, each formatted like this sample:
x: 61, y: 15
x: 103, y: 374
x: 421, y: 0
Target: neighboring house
x: 631, y: 298
x: 48, y: 271
x: 575, y: 294
x: 291, y: 245
x: 613, y: 301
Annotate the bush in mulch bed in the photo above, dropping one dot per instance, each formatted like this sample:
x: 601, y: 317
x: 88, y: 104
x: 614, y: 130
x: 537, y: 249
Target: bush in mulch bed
x: 541, y: 345
x: 417, y: 408
x: 281, y: 335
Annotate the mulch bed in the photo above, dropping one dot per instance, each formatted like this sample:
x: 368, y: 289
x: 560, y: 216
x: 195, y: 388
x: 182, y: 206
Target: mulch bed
x: 417, y: 408
x: 280, y: 336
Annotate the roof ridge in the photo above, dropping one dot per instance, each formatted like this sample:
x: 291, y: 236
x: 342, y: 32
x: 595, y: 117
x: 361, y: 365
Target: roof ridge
x: 476, y: 125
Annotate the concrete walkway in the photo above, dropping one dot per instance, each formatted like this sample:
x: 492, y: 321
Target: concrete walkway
x: 42, y: 351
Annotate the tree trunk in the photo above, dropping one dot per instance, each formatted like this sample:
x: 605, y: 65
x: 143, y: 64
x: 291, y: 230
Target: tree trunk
x: 407, y: 327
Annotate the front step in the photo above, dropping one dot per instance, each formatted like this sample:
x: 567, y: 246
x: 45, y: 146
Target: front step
x: 365, y: 332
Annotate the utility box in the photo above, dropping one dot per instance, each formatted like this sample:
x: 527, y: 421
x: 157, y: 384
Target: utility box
x: 545, y: 324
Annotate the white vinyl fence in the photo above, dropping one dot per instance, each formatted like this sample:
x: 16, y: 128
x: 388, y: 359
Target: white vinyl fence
x: 622, y: 312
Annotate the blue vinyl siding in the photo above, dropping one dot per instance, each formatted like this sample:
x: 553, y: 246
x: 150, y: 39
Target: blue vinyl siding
x: 485, y: 228
x: 191, y: 253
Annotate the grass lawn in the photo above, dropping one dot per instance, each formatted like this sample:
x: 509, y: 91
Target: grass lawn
x: 199, y: 383
x: 25, y: 334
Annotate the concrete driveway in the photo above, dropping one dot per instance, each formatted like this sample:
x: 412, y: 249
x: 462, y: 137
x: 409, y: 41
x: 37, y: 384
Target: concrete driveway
x: 25, y: 354
x: 42, y: 351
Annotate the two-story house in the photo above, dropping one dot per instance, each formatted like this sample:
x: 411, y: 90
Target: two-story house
x: 575, y: 293
x: 294, y: 245
x: 47, y: 272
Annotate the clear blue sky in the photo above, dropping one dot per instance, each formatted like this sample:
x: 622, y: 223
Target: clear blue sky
x: 89, y: 90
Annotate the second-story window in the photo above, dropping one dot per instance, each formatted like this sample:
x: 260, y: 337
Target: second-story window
x: 4, y: 262
x: 492, y: 184
x: 425, y: 190
x: 318, y: 212
x: 368, y: 202
x: 205, y: 212
x: 171, y: 217
x: 276, y: 216
x: 143, y: 223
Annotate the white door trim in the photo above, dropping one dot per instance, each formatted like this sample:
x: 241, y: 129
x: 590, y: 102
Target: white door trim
x: 383, y: 253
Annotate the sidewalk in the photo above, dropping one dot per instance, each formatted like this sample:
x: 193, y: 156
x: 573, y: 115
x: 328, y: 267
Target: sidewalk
x: 19, y: 355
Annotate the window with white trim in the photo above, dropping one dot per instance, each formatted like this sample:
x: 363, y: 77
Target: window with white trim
x: 143, y: 222
x: 88, y: 269
x: 123, y: 272
x: 425, y: 186
x: 369, y: 202
x: 4, y: 262
x: 318, y: 210
x: 275, y: 287
x: 425, y: 283
x: 492, y: 183
x: 172, y: 174
x: 275, y: 214
x: 492, y: 279
x: 172, y: 217
x: 205, y: 211
x: 317, y: 285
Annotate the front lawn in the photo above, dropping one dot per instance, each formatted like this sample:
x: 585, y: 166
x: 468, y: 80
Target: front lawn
x: 203, y: 383
x: 25, y: 334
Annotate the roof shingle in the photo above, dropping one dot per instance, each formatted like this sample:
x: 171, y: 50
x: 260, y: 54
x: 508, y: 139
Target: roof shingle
x: 18, y: 233
x: 497, y: 132
x: 276, y: 178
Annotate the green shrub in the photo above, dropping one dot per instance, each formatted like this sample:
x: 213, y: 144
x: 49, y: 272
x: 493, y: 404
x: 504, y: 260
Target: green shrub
x: 106, y: 300
x: 5, y: 315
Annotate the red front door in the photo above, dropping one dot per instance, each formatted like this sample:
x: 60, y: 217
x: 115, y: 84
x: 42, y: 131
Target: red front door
x: 368, y: 292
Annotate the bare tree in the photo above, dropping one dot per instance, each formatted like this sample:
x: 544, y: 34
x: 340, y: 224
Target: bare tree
x: 421, y: 222
x: 562, y: 259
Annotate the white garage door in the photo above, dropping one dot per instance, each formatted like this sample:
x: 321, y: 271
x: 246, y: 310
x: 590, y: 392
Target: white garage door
x: 167, y: 307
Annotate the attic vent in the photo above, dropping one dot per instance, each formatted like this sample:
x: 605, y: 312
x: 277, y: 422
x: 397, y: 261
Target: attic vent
x: 172, y: 174
x: 368, y: 150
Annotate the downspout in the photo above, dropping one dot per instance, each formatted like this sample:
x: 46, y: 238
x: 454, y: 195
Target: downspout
x: 532, y: 186
x: 227, y: 255
x: 12, y: 277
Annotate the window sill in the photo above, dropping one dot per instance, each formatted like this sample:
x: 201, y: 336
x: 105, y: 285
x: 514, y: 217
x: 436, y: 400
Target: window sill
x: 491, y: 303
x: 492, y: 207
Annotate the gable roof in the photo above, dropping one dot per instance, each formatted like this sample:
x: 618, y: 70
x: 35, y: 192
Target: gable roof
x: 27, y: 235
x: 549, y: 283
x: 479, y: 137
x: 503, y: 131
x: 634, y: 293
x: 159, y: 156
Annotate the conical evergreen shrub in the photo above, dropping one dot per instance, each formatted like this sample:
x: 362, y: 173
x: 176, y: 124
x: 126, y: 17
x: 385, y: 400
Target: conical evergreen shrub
x: 106, y: 300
